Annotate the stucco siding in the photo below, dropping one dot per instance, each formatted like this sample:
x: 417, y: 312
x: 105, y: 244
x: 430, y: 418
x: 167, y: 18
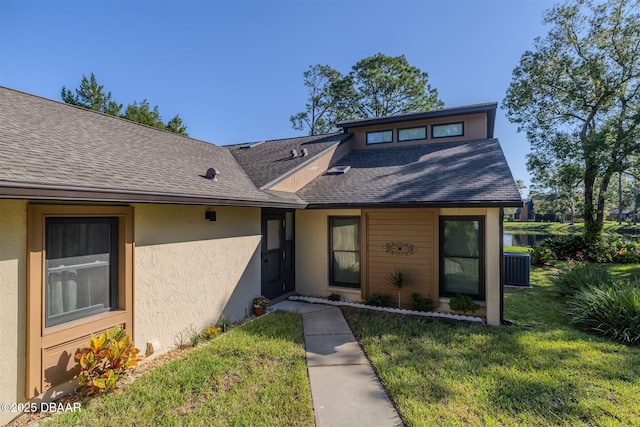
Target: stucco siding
x: 312, y: 252
x: 190, y: 271
x: 13, y: 261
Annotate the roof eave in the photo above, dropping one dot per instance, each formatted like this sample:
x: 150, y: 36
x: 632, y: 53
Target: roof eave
x: 373, y: 205
x: 69, y: 193
x: 489, y: 108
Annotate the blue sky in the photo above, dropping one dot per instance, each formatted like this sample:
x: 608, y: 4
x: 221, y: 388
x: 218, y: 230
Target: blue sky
x: 233, y: 70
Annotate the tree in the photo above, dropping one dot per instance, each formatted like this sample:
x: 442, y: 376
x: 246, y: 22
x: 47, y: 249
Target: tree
x: 91, y: 95
x: 387, y: 85
x: 142, y: 113
x: 577, y: 97
x: 329, y: 100
x: 175, y: 125
x: 377, y: 86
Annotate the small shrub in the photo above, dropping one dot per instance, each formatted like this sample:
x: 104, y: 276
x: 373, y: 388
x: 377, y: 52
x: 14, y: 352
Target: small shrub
x: 194, y: 335
x: 334, y: 297
x: 210, y: 332
x: 564, y: 247
x: 377, y: 300
x: 541, y: 255
x: 224, y: 324
x: 612, y: 311
x: 398, y: 279
x: 419, y: 303
x: 463, y: 303
x: 107, y: 357
x: 581, y: 275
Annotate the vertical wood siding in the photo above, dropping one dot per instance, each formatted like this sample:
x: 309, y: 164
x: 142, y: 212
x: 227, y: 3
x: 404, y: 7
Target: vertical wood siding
x: 410, y: 229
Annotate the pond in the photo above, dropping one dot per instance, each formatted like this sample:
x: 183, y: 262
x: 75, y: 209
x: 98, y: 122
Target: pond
x: 523, y: 240
x: 528, y: 240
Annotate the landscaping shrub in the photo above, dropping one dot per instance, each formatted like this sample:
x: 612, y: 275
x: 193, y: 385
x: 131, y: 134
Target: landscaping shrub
x: 334, y: 297
x: 419, y: 303
x: 581, y: 275
x: 377, y: 300
x: 612, y: 310
x: 541, y: 255
x: 566, y: 247
x: 463, y: 303
x: 106, y: 358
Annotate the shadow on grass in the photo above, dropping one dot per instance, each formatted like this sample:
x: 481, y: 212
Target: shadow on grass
x: 536, y: 373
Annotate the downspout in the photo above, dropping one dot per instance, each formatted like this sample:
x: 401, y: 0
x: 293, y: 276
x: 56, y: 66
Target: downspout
x: 503, y: 321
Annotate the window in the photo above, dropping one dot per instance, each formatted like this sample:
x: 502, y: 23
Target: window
x: 462, y: 256
x: 379, y: 137
x: 411, y: 134
x: 448, y: 129
x: 79, y: 283
x: 344, y: 251
x: 81, y: 268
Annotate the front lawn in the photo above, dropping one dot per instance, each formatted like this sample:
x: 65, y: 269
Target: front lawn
x: 540, y: 371
x: 254, y: 375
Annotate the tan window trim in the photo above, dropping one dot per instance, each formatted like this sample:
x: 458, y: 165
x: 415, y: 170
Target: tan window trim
x: 41, y: 341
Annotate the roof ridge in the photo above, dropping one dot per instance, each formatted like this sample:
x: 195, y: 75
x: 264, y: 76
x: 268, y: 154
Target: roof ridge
x: 63, y: 104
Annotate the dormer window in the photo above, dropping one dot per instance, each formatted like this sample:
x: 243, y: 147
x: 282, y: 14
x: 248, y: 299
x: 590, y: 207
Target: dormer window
x: 447, y: 129
x: 411, y: 134
x: 380, y: 137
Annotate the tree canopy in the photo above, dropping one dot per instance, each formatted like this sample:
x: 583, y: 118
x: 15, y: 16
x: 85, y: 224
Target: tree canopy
x: 377, y: 86
x: 577, y: 97
x: 91, y: 95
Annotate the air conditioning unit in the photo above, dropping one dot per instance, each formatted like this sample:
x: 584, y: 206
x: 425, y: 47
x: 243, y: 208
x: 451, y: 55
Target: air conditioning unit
x: 517, y: 267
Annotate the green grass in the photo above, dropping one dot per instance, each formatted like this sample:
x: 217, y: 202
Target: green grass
x: 609, y: 228
x: 540, y: 371
x: 253, y: 375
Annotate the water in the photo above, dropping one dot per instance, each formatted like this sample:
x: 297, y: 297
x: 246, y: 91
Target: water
x: 523, y: 240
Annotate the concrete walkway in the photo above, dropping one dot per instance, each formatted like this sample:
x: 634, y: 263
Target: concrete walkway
x: 344, y: 387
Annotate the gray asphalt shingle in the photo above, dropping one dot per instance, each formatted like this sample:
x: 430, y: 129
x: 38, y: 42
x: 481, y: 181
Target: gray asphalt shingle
x: 43, y: 142
x: 270, y: 160
x: 468, y: 172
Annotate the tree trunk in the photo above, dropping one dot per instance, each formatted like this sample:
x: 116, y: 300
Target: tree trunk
x: 592, y: 227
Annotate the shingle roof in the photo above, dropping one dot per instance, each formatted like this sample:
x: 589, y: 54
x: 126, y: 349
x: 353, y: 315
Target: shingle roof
x: 451, y: 173
x: 271, y: 160
x: 48, y: 145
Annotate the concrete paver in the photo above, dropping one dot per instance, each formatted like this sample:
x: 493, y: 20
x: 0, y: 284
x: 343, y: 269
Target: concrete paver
x: 344, y: 387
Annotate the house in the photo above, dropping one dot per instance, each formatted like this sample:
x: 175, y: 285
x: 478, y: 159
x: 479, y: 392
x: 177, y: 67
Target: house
x: 108, y: 222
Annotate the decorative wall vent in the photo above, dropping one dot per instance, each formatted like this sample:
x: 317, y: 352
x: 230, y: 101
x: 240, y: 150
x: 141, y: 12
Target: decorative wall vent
x: 400, y: 248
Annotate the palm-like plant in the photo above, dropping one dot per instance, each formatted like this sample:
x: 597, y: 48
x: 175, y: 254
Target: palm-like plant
x: 399, y: 279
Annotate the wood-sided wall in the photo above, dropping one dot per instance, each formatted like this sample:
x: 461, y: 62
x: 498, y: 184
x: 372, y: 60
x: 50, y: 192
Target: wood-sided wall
x: 404, y: 239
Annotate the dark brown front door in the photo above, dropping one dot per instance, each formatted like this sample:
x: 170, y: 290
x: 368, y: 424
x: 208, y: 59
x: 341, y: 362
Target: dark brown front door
x: 278, y: 272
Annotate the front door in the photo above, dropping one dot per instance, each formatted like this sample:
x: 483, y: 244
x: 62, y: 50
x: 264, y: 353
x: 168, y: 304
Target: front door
x: 278, y: 272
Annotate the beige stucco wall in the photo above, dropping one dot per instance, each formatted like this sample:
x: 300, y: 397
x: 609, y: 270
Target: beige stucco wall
x: 492, y: 254
x: 312, y: 253
x: 189, y: 271
x: 13, y: 271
